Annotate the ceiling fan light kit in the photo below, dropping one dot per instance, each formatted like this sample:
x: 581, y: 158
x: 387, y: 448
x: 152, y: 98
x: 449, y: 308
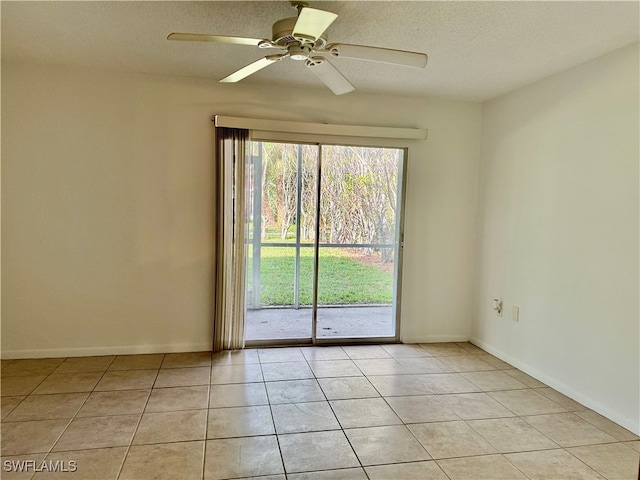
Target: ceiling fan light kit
x: 303, y: 38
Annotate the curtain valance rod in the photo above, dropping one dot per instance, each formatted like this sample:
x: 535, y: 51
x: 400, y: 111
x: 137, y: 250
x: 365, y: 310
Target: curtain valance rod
x: 319, y: 128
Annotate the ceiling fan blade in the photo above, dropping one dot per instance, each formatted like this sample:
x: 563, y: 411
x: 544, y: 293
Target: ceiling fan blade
x: 252, y: 68
x: 196, y: 37
x: 329, y: 75
x: 312, y: 23
x: 376, y: 54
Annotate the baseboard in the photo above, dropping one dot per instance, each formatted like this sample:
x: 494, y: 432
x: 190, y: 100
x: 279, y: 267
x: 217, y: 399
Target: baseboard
x: 115, y: 350
x: 434, y: 338
x: 588, y: 402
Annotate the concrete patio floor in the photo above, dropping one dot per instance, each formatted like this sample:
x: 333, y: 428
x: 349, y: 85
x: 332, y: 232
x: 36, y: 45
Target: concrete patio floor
x: 284, y: 323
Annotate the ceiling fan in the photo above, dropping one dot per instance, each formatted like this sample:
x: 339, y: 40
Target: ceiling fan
x: 303, y: 38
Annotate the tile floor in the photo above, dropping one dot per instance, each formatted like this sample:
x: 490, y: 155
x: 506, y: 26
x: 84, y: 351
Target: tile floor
x: 432, y: 411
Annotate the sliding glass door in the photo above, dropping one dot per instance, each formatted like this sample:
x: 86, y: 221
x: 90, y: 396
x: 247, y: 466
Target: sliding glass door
x: 281, y: 216
x: 359, y: 236
x: 324, y: 243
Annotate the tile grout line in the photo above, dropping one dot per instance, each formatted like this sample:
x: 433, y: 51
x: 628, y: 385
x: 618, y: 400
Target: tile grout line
x: 503, y: 454
x: 520, y: 417
x: 33, y: 389
x: 414, y: 435
x: 341, y: 429
x: 405, y: 423
x: 83, y: 403
x: 437, y: 461
x: 135, y: 431
x: 601, y: 429
x: 588, y: 466
x: 206, y: 419
x: 50, y: 450
x: 572, y: 413
x: 275, y: 431
x: 26, y: 395
x: 355, y: 454
x: 63, y: 430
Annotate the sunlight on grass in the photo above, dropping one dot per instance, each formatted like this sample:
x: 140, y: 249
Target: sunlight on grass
x: 342, y: 280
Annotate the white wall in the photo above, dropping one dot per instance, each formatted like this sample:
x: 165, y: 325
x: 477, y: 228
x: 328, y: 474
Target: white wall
x: 558, y: 233
x: 107, y: 204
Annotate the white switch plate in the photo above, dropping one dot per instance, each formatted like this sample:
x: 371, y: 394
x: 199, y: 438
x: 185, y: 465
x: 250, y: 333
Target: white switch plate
x: 515, y: 313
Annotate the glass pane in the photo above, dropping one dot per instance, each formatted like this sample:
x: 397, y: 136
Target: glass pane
x: 306, y: 276
x: 279, y: 270
x: 309, y: 192
x: 279, y: 192
x: 277, y: 274
x: 358, y: 240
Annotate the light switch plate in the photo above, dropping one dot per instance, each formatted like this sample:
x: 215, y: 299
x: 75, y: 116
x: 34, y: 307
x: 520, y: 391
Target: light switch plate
x: 515, y: 313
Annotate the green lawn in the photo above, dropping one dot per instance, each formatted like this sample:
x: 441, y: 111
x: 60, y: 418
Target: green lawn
x: 342, y: 280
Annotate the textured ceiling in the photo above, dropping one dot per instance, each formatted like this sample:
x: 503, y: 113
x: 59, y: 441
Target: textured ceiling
x: 477, y: 50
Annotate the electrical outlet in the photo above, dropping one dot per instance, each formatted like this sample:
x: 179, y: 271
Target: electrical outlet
x: 497, y: 306
x: 515, y: 313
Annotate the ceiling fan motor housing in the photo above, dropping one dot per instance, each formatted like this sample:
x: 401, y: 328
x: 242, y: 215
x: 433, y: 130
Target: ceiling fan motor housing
x: 298, y: 51
x: 283, y: 35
